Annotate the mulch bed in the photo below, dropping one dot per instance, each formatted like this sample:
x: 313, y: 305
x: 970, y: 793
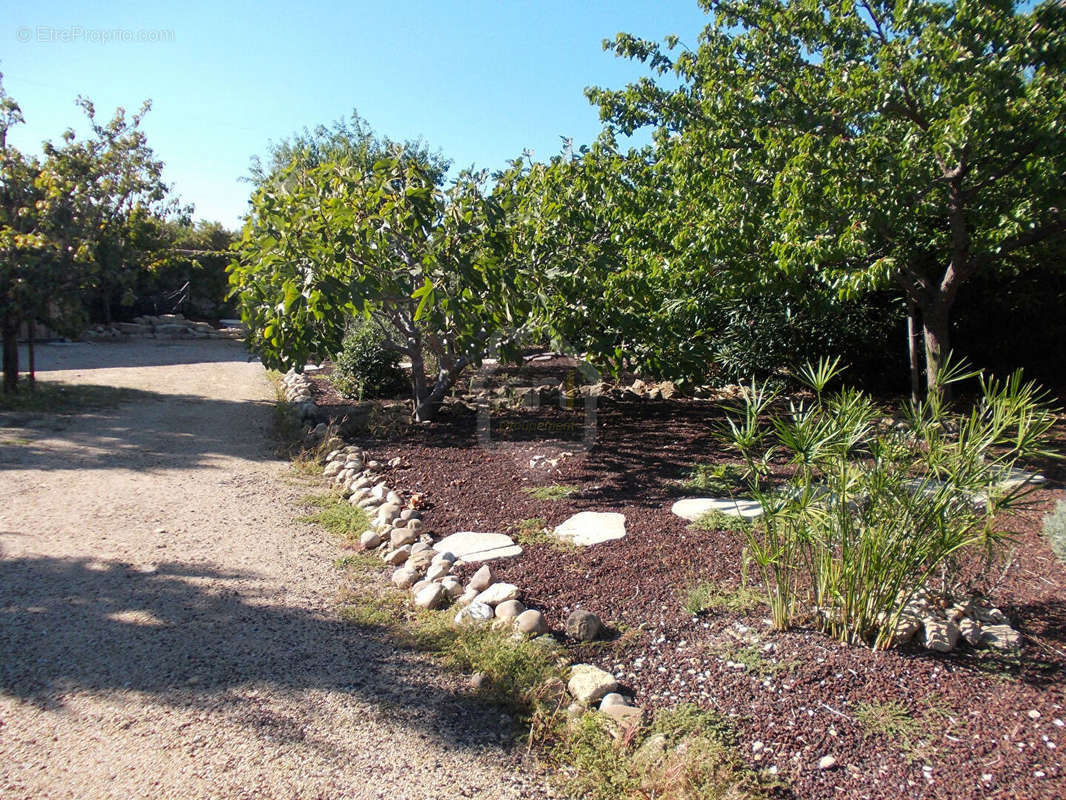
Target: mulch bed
x: 989, y: 725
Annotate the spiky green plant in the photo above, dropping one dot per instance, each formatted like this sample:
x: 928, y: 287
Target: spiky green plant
x: 870, y: 513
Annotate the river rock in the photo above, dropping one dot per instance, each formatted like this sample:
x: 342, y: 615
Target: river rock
x: 480, y: 580
x: 612, y: 699
x: 531, y: 622
x: 404, y: 578
x: 431, y: 596
x: 497, y: 593
x: 438, y: 570
x: 940, y: 635
x: 369, y: 540
x: 398, y: 556
x: 589, y: 684
x: 583, y: 626
x: 970, y: 631
x: 1000, y: 637
x: 474, y: 614
x: 402, y: 536
x: 509, y: 609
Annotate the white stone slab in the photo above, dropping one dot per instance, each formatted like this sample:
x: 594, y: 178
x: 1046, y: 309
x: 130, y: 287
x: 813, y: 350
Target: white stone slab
x: 693, y: 508
x: 592, y: 527
x: 474, y: 546
x: 1014, y: 478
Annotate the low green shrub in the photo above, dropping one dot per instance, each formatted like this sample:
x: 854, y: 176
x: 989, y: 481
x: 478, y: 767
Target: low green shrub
x: 704, y: 596
x: 686, y: 753
x: 552, y: 492
x: 722, y: 479
x: 872, y: 512
x: 363, y: 369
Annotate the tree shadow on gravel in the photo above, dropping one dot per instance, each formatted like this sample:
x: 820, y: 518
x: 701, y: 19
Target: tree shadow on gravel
x: 70, y: 625
x: 143, y: 431
x: 52, y: 356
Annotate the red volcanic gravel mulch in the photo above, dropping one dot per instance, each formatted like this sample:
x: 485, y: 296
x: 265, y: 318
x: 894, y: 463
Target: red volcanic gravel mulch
x: 990, y: 725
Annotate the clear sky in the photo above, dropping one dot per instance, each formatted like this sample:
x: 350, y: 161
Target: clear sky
x: 480, y: 80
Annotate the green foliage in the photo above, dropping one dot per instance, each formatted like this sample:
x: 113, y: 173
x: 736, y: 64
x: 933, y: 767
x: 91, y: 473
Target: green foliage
x: 1055, y: 530
x: 890, y: 718
x: 885, y: 145
x: 71, y: 221
x: 717, y: 521
x: 337, y: 515
x: 717, y: 478
x: 532, y: 531
x: 363, y: 368
x: 686, y: 753
x: 754, y: 659
x: 705, y: 596
x: 516, y: 668
x: 553, y: 492
x: 773, y: 331
x: 341, y: 238
x: 872, y: 513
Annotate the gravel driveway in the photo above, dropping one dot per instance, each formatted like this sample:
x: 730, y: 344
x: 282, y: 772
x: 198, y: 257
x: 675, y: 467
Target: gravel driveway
x: 168, y: 630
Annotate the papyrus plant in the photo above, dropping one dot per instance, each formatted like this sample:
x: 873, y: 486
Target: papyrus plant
x: 872, y: 508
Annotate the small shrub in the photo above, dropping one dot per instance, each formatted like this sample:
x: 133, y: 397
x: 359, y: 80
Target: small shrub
x: 554, y: 492
x: 1055, y: 530
x: 705, y: 596
x: 363, y: 369
x: 695, y: 759
x: 516, y: 668
x: 721, y: 479
x: 890, y: 718
x: 532, y: 531
x: 755, y: 659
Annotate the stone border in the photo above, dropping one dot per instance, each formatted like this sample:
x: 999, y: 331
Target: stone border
x: 398, y: 536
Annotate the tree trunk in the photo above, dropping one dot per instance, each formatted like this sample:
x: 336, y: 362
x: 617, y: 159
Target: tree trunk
x: 11, y: 356
x: 33, y: 360
x: 937, y: 328
x: 913, y: 339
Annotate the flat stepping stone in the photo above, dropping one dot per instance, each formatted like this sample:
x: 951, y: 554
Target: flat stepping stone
x: 693, y: 508
x: 592, y: 527
x: 1014, y: 478
x: 474, y: 546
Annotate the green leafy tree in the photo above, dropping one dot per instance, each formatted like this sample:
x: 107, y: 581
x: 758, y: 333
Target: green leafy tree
x: 428, y: 266
x: 69, y: 221
x: 865, y: 144
x: 594, y: 228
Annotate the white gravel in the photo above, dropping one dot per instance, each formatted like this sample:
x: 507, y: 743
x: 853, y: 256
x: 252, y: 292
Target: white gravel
x: 168, y: 630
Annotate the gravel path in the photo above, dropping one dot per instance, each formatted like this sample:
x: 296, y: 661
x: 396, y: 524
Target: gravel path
x: 167, y: 628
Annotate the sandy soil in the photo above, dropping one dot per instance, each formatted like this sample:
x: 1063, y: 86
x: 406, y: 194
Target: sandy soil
x: 168, y: 630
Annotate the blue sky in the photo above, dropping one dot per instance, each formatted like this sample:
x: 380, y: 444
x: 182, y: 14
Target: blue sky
x: 481, y: 80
